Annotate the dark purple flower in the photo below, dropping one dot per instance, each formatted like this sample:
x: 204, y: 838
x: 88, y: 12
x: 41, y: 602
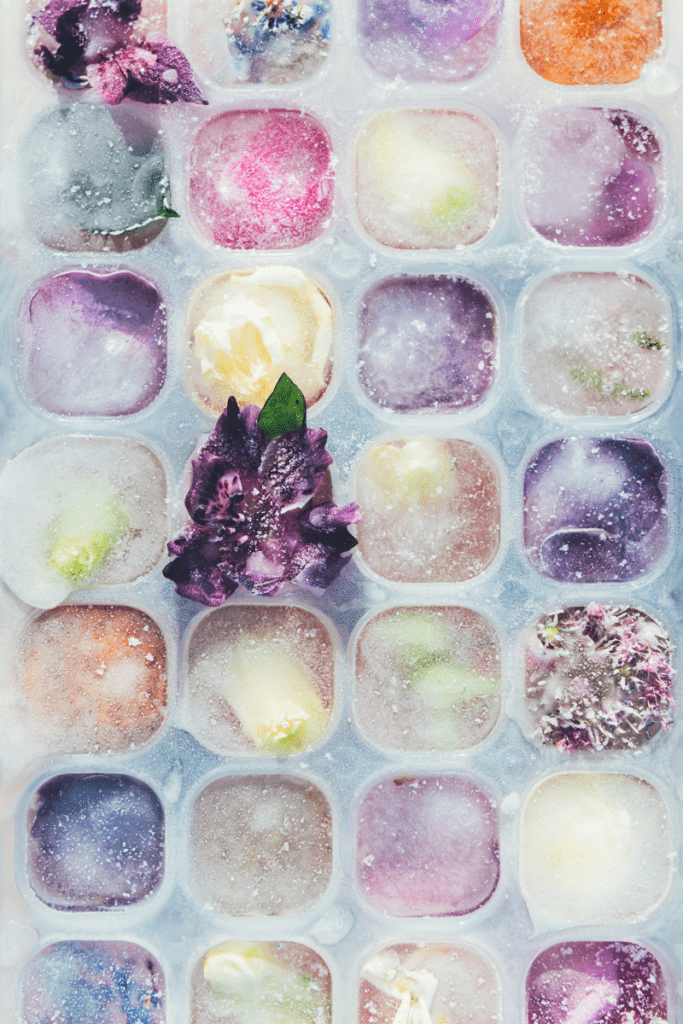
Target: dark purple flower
x: 259, y: 514
x: 96, y: 44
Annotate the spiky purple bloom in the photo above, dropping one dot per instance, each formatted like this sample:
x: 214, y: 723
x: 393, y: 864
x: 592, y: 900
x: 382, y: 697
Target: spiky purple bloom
x: 259, y: 515
x: 95, y: 44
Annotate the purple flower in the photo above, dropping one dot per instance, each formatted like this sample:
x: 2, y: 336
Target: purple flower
x: 259, y: 514
x: 94, y: 43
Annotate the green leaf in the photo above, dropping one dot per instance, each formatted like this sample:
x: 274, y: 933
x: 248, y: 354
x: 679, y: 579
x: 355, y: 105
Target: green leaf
x: 285, y: 409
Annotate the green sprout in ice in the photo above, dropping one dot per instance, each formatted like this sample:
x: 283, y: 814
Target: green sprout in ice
x: 593, y: 378
x: 91, y: 524
x: 645, y: 340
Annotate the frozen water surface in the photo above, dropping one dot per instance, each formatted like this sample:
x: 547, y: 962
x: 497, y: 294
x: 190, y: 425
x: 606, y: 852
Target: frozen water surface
x: 429, y: 982
x: 427, y: 678
x: 429, y: 40
x: 92, y: 678
x: 248, y: 327
x: 104, y: 186
x: 261, y: 845
x: 426, y: 179
x: 92, y: 343
x: 594, y: 849
x: 261, y: 983
x: 595, y: 509
x: 94, y: 982
x: 427, y: 344
x: 581, y: 42
x: 431, y: 510
x: 427, y: 846
x: 95, y: 842
x: 592, y: 177
x: 596, y: 982
x: 260, y: 680
x: 95, y: 516
x: 261, y: 179
x: 597, y: 344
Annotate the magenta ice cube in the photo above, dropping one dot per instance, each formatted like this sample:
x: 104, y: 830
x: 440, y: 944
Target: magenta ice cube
x: 95, y: 842
x: 261, y: 179
x: 92, y: 343
x: 99, y: 982
x: 595, y: 509
x: 592, y: 177
x: 429, y: 40
x: 596, y: 983
x: 427, y: 344
x: 427, y: 846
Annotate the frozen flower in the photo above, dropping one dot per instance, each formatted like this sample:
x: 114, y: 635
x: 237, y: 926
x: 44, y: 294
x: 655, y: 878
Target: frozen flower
x: 414, y: 990
x: 259, y: 515
x: 94, y: 42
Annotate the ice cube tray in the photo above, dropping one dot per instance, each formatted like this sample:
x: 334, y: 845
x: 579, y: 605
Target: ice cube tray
x: 331, y: 885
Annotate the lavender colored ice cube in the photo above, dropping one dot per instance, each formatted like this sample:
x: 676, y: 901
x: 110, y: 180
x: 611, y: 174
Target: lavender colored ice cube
x: 595, y: 509
x: 427, y: 846
x: 596, y: 983
x: 98, y: 982
x: 92, y: 343
x: 427, y: 344
x: 592, y: 177
x: 429, y: 40
x: 95, y: 842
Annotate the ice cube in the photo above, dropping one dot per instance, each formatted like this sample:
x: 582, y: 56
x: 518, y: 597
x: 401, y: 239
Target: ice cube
x: 426, y: 179
x: 595, y: 509
x: 261, y: 179
x: 95, y: 842
x: 427, y: 344
x: 104, y: 186
x: 597, y: 344
x: 427, y: 846
x: 431, y: 510
x: 100, y: 982
x: 592, y: 177
x: 260, y: 845
x: 80, y: 511
x: 280, y: 43
x: 91, y: 678
x: 590, y: 982
x: 427, y: 678
x: 260, y: 680
x: 248, y: 327
x: 92, y: 343
x: 261, y: 983
x: 423, y: 40
x: 451, y: 984
x: 595, y: 848
x: 581, y: 42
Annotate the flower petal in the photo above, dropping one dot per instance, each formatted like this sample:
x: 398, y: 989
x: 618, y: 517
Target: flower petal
x: 166, y: 78
x: 293, y: 467
x: 108, y: 79
x: 198, y: 571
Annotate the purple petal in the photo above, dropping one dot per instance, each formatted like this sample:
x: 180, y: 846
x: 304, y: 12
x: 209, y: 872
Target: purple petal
x: 51, y: 15
x: 168, y: 79
x: 198, y: 572
x: 216, y: 485
x: 108, y: 79
x: 293, y: 467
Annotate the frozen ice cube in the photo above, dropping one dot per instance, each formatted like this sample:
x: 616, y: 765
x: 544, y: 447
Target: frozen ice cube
x: 260, y: 680
x: 92, y: 343
x: 581, y: 42
x: 261, y: 179
x: 100, y: 982
x: 94, y: 842
x: 261, y: 983
x: 426, y: 179
x: 597, y: 344
x: 427, y: 344
x: 595, y: 848
x: 451, y: 984
x: 431, y: 510
x: 77, y: 512
x: 427, y: 846
x: 248, y: 327
x: 260, y: 845
x: 592, y: 177
x: 595, y: 509
x: 104, y: 186
x: 590, y: 982
x: 429, y: 40
x: 427, y: 678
